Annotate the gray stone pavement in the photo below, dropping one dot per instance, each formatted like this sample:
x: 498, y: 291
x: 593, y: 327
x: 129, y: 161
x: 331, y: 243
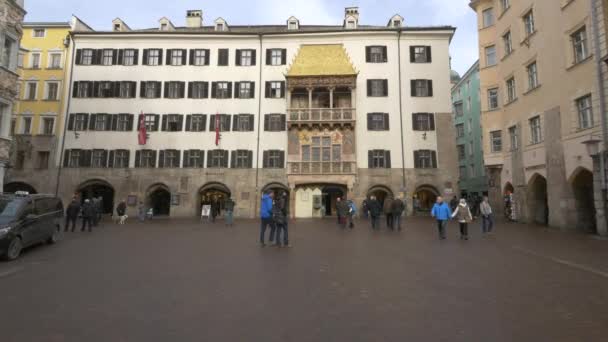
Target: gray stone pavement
x: 179, y: 280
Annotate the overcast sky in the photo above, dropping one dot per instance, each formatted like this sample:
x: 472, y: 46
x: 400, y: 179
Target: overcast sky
x: 145, y: 14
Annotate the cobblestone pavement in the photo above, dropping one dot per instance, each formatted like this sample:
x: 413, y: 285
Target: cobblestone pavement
x: 179, y: 280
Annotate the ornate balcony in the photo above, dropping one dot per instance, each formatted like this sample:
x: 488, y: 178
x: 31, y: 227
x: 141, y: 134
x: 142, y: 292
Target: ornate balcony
x: 321, y: 168
x: 321, y: 116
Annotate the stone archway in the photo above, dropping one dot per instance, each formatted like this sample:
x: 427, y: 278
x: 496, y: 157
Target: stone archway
x: 426, y: 196
x: 13, y: 187
x: 381, y: 192
x: 158, y: 197
x: 210, y: 192
x: 96, y: 188
x: 582, y: 186
x: 537, y: 200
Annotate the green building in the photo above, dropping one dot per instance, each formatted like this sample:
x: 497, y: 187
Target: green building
x: 467, y: 121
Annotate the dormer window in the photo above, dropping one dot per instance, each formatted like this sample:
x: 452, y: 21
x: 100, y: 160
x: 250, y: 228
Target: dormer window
x: 116, y: 27
x: 293, y: 25
x: 397, y: 23
x: 350, y: 24
x: 219, y: 27
x: 163, y: 27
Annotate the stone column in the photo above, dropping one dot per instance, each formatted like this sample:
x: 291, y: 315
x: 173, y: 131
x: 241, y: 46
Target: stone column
x: 292, y: 201
x: 599, y: 196
x: 288, y: 96
x: 331, y: 97
x: 310, y: 89
x: 353, y: 97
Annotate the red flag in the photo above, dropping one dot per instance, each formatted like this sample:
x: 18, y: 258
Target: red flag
x: 142, y: 134
x: 218, y: 136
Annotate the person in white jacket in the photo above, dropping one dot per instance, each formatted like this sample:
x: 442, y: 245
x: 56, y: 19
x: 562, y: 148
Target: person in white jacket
x: 487, y: 221
x: 463, y: 214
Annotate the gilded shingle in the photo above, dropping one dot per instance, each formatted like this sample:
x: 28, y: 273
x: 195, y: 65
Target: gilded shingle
x: 321, y: 60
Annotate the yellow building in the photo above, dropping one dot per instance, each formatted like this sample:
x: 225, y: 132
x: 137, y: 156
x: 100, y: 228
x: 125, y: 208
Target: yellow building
x: 37, y: 116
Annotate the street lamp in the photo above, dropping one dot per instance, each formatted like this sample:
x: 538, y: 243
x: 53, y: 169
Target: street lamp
x: 593, y: 146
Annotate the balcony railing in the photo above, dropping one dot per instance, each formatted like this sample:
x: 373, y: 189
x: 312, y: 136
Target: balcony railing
x: 321, y: 168
x: 321, y: 115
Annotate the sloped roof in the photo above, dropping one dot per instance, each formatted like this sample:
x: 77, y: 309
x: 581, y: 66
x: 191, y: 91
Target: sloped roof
x: 322, y: 60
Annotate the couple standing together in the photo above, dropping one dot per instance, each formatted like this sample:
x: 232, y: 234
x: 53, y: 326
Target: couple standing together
x: 274, y: 213
x: 442, y: 213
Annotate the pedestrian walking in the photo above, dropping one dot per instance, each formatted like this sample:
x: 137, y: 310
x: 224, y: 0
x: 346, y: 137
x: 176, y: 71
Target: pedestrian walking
x: 352, y: 211
x: 141, y: 212
x: 397, y: 209
x: 280, y: 219
x: 266, y: 217
x: 229, y: 211
x: 441, y: 212
x: 342, y: 210
x: 364, y: 208
x: 121, y: 212
x: 388, y: 212
x: 375, y: 210
x: 88, y: 215
x: 214, y: 209
x: 463, y: 214
x: 71, y: 214
x: 487, y: 219
x: 100, y: 209
x: 415, y: 205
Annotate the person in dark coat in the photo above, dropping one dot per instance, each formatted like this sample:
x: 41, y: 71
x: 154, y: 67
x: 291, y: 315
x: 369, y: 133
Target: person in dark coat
x: 388, y: 212
x: 88, y: 215
x: 71, y: 214
x: 280, y: 218
x: 214, y: 209
x: 229, y: 211
x: 454, y: 203
x: 121, y: 212
x: 375, y: 210
x: 342, y: 210
x: 397, y: 208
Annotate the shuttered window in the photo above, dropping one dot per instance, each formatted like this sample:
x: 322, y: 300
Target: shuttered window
x: 217, y: 159
x: 169, y: 159
x: 376, y: 54
x: 199, y: 57
x: 196, y: 123
x: 425, y: 159
x: 379, y: 159
x: 175, y: 90
x: 377, y: 122
x: 241, y: 159
x: 198, y: 90
x: 276, y: 57
x: 223, y: 57
x: 243, y: 123
x: 194, y: 159
x: 420, y: 54
x: 377, y: 88
x: 423, y: 122
x: 422, y: 88
x: 119, y: 159
x: 275, y: 122
x: 274, y: 159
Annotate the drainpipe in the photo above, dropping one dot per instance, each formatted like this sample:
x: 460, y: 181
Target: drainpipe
x: 257, y: 153
x: 66, y: 115
x: 601, y: 91
x: 401, y: 111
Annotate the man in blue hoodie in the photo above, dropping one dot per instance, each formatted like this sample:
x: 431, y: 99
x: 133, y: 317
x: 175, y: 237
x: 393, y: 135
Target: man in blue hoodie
x: 266, y: 216
x: 442, y: 213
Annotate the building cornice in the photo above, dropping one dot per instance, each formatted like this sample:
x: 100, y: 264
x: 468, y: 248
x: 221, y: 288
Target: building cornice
x: 46, y: 24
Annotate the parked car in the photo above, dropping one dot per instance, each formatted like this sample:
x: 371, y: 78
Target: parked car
x: 26, y: 220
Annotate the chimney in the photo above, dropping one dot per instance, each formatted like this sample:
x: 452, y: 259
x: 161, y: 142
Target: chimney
x: 194, y: 19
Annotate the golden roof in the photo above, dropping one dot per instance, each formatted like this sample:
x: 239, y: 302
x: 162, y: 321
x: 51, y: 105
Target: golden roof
x: 322, y: 60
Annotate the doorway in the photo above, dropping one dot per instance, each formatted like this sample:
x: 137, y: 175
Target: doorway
x: 427, y: 196
x: 381, y: 193
x: 537, y: 200
x: 19, y: 186
x: 95, y: 189
x: 213, y: 192
x: 330, y: 196
x: 582, y: 185
x: 159, y: 199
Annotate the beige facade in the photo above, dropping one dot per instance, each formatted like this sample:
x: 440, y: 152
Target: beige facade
x: 538, y: 79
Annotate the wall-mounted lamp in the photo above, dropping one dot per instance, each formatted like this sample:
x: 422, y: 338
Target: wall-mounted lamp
x: 424, y: 136
x: 593, y: 145
x: 66, y: 41
x: 76, y: 135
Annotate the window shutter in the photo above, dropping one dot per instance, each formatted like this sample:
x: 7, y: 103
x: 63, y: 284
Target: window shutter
x: 97, y: 56
x: 133, y: 91
x: 204, y: 124
x: 283, y: 122
x: 416, y: 159
x: 145, y: 58
x: 142, y: 89
x: 136, y: 57
x: 186, y: 159
x: 207, y: 56
x: 86, y: 158
x: 282, y: 89
x: 428, y: 54
x: 165, y: 123
x: 212, y: 123
x: 413, y: 88
x: 387, y: 159
x: 253, y: 57
x: 92, y: 122
x: 268, y: 56
x: 237, y: 58
x: 265, y: 159
x: 251, y: 90
x: 225, y: 159
x: 434, y: 159
x: 115, y: 53
x: 158, y: 89
x: 66, y: 158
x: 180, y: 122
x: 384, y: 54
x: 251, y: 119
x: 227, y: 118
x: 178, y: 161
x: 415, y: 122
x: 282, y: 160
x: 249, y: 159
x: 111, y: 160
x: 267, y: 91
x: 432, y: 121
x: 116, y: 89
x: 95, y: 89
x: 184, y: 56
x: 201, y: 160
x: 104, y: 158
x: 130, y: 123
x: 192, y: 51
x: 368, y: 54
x: 385, y: 87
x: 235, y: 123
x: 430, y: 87
x: 213, y: 90
x: 86, y: 121
x: 156, y: 121
x: 160, y: 56
x: 182, y: 89
x: 266, y: 122
x: 188, y: 122
x: 369, y: 121
x: 387, y: 125
x: 237, y: 88
x: 169, y: 53
x: 205, y: 90
x: 78, y: 57
x: 209, y: 157
x: 223, y: 56
x: 412, y: 54
x: 283, y: 56
x: 154, y: 154
x: 71, y: 122
x: 161, y: 159
x: 112, y: 120
x: 369, y: 87
x: 229, y: 89
x: 166, y: 89
x: 75, y: 89
x: 137, y: 158
x: 128, y: 157
x: 190, y: 86
x: 233, y: 159
x: 370, y: 159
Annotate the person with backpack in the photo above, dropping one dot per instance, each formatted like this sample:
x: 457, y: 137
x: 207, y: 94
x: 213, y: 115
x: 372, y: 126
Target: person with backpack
x: 266, y: 217
x: 464, y: 217
x: 342, y: 210
x: 71, y: 214
x: 441, y: 212
x: 375, y: 210
x: 352, y: 211
x: 398, y: 206
x: 88, y: 215
x: 279, y: 217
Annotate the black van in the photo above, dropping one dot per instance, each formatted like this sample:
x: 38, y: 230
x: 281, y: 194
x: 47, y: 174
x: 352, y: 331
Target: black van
x: 26, y: 220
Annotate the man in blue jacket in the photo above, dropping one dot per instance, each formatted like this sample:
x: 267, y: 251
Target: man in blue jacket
x: 442, y: 213
x: 266, y: 216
